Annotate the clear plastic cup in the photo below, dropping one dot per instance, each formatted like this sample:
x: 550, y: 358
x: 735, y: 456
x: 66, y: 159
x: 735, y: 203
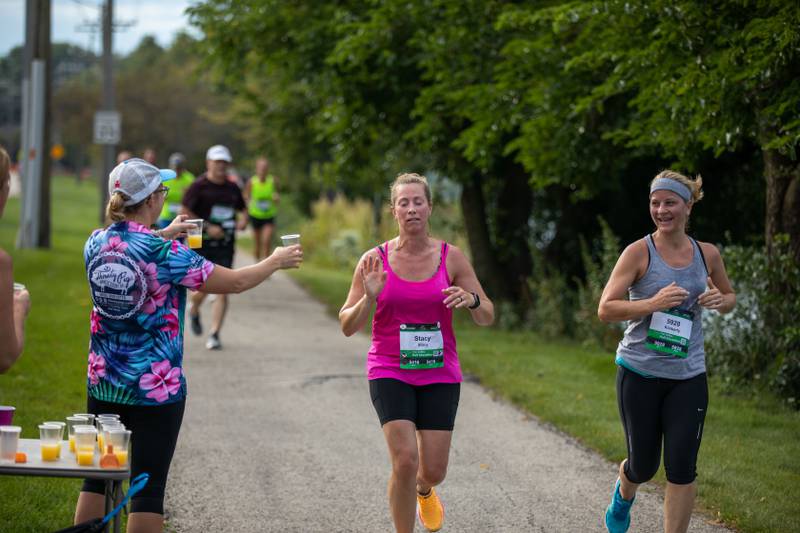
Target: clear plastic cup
x: 90, y: 416
x: 291, y: 239
x: 63, y: 426
x: 102, y: 436
x: 9, y: 442
x: 50, y: 441
x: 194, y: 236
x: 73, y: 421
x: 120, y: 439
x: 85, y: 438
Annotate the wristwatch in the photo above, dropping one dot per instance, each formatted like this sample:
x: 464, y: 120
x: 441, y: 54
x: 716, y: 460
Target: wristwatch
x: 477, y: 303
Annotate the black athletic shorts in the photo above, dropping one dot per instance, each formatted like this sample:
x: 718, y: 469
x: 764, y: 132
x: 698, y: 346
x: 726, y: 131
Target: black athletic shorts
x: 431, y: 406
x: 656, y: 411
x: 259, y: 223
x: 218, y: 256
x: 153, y: 439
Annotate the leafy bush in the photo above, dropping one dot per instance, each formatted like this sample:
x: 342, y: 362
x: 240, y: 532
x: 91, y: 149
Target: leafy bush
x: 588, y: 327
x: 760, y: 338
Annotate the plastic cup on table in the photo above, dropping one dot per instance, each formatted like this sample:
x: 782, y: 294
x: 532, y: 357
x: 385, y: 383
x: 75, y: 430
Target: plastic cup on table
x: 6, y: 414
x: 291, y: 239
x: 106, y: 426
x: 73, y: 421
x: 9, y: 442
x: 120, y: 439
x: 63, y: 426
x: 98, y: 423
x: 194, y: 236
x: 85, y: 438
x: 50, y: 441
x: 89, y: 416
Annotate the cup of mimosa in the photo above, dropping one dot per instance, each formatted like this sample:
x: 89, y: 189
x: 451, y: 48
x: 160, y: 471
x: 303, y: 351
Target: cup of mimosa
x: 194, y: 236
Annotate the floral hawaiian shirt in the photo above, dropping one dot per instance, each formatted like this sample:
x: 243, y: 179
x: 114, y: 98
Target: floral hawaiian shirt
x: 138, y: 284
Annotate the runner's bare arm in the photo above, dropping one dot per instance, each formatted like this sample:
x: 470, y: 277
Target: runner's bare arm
x: 464, y: 284
x: 226, y: 280
x: 614, y: 305
x: 13, y: 310
x: 368, y: 275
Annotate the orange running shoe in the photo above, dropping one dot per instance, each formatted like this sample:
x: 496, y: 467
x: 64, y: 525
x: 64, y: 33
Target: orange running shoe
x: 430, y: 511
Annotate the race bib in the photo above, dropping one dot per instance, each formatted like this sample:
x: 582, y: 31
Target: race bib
x: 221, y: 213
x: 117, y: 285
x: 670, y: 332
x: 263, y: 205
x: 421, y: 346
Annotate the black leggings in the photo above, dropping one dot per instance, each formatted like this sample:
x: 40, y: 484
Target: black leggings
x: 153, y: 439
x: 656, y: 408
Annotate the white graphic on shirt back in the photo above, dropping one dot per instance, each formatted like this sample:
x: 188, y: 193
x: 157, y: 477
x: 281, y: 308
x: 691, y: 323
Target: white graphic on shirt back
x: 117, y: 285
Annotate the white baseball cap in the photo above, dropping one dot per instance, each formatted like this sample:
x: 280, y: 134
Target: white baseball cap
x: 219, y: 153
x: 137, y: 179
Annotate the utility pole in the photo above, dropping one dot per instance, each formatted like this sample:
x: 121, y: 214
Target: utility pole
x: 34, y: 230
x: 108, y: 102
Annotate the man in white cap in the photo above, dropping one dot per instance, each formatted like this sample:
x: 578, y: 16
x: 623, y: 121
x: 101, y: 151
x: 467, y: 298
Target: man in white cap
x: 220, y: 204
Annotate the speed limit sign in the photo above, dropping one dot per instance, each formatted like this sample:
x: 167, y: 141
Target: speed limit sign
x: 107, y: 127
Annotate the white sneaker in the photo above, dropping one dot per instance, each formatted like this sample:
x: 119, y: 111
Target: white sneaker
x: 213, y: 342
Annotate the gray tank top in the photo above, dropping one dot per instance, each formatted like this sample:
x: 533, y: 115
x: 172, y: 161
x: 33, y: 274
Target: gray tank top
x: 643, y: 348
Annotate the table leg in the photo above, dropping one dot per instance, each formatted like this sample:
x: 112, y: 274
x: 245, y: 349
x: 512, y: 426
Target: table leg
x: 116, y: 497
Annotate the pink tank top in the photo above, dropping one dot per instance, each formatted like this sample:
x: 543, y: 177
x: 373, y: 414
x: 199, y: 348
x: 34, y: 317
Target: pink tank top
x: 412, y: 306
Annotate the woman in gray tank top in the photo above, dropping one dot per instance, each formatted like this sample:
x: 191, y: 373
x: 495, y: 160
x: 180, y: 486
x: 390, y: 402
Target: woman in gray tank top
x: 660, y: 285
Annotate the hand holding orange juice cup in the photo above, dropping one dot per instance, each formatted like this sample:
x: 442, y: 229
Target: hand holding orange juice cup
x: 194, y: 236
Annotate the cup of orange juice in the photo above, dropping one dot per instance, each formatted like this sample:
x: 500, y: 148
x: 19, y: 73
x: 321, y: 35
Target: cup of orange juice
x: 85, y: 437
x: 120, y: 438
x: 194, y: 236
x: 73, y: 421
x: 50, y: 441
x: 63, y: 426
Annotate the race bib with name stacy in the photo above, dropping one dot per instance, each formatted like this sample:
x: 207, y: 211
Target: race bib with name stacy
x: 670, y: 332
x: 421, y: 346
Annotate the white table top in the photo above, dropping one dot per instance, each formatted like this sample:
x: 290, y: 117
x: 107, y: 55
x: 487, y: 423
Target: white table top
x: 65, y: 466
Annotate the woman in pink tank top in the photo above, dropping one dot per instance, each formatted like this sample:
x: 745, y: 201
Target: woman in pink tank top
x: 413, y: 283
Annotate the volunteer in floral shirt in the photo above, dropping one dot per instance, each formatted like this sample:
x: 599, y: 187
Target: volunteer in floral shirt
x: 138, y: 280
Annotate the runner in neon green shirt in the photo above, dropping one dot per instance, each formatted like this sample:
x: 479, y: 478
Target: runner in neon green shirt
x: 261, y: 195
x: 178, y: 186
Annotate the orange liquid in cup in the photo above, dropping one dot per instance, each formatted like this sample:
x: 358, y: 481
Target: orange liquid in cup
x: 50, y: 452
x: 72, y: 443
x: 122, y: 456
x: 85, y: 455
x: 195, y: 241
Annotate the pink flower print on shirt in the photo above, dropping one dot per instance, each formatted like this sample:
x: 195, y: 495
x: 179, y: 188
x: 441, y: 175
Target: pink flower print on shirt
x: 196, y: 277
x: 164, y: 381
x: 150, y: 271
x: 173, y: 324
x: 97, y: 368
x: 115, y: 244
x: 96, y: 320
x: 156, y: 296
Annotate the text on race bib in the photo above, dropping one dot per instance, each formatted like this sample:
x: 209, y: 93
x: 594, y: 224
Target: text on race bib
x: 421, y: 346
x: 670, y: 332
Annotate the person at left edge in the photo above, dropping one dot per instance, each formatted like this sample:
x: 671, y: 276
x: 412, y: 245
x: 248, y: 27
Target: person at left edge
x: 138, y: 280
x: 177, y: 188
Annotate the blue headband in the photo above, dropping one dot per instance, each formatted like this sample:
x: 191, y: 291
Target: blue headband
x: 667, y: 184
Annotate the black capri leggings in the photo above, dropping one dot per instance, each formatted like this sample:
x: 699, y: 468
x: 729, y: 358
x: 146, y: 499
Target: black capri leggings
x: 653, y: 409
x: 153, y: 439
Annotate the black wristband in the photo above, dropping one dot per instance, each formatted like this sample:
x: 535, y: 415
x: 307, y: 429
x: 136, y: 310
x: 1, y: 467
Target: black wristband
x: 477, y: 303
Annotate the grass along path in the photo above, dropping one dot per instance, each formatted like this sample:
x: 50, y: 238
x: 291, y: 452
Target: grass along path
x: 49, y: 381
x: 749, y: 465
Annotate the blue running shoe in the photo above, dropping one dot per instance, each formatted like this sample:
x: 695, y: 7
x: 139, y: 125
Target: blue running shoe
x: 618, y: 512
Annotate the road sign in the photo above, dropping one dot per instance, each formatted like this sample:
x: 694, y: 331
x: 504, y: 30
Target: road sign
x: 107, y: 127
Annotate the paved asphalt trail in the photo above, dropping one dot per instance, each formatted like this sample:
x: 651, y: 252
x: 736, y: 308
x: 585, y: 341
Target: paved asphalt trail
x: 280, y: 436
